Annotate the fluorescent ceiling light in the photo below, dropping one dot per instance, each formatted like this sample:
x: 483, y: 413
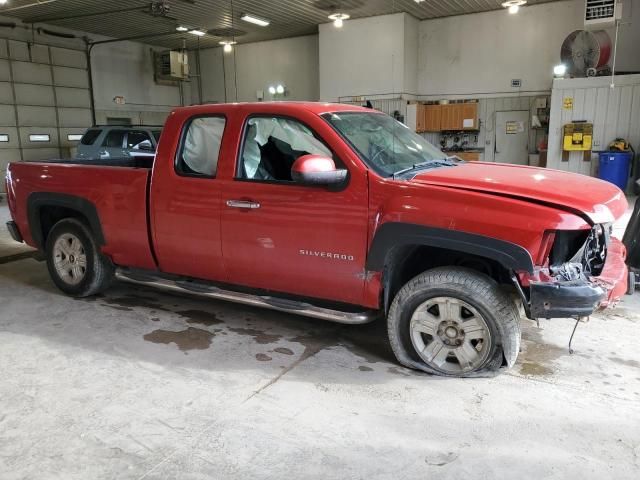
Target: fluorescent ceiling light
x: 39, y: 137
x: 3, y: 2
x: 255, y: 20
x: 198, y: 33
x: 514, y: 5
x: 74, y: 137
x: 339, y: 18
x: 182, y: 28
x: 227, y: 45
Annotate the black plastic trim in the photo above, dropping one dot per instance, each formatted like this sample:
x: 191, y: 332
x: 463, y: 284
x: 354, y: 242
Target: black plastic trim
x: 564, y: 299
x: 14, y: 231
x: 37, y: 200
x: 395, y: 234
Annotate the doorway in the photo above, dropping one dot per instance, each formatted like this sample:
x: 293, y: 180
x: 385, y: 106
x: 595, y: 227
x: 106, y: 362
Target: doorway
x: 512, y: 137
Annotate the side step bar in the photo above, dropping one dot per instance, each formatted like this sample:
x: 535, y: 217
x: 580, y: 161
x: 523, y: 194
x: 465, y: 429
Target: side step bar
x: 206, y: 290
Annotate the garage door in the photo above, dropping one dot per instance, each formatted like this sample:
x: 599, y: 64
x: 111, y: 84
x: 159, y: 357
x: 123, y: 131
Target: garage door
x: 44, y: 101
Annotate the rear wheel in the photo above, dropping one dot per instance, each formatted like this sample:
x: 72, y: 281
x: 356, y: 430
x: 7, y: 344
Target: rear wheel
x: 454, y: 322
x: 75, y: 264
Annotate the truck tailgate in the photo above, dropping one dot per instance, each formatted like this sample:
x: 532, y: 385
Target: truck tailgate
x: 118, y: 194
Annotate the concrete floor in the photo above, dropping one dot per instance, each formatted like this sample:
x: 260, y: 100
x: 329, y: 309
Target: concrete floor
x: 141, y: 384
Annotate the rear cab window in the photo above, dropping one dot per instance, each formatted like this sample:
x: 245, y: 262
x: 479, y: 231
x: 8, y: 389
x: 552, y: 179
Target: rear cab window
x: 200, y: 147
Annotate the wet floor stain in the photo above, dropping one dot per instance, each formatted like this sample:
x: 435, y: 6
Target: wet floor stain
x: 261, y: 337
x: 534, y: 369
x: 263, y: 357
x: 364, y: 368
x: 130, y: 301
x: 628, y: 363
x: 200, y: 317
x: 283, y: 350
x: 189, y: 339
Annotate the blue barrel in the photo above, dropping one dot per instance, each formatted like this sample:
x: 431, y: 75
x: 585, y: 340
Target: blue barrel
x: 614, y: 167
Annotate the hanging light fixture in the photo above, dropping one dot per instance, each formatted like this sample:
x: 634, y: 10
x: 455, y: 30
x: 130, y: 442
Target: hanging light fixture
x: 227, y: 45
x: 339, y: 18
x: 514, y: 5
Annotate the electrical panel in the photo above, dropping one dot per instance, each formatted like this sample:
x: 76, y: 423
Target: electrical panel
x: 602, y: 13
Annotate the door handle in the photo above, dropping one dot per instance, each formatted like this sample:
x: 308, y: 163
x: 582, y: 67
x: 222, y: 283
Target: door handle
x: 243, y: 204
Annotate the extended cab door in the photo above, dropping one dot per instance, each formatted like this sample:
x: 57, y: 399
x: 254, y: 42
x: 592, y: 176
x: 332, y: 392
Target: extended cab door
x: 285, y: 237
x: 185, y: 195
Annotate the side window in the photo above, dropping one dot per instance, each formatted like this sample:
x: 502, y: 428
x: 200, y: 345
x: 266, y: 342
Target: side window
x: 89, y: 137
x: 114, y: 139
x: 273, y: 144
x: 201, y: 147
x: 137, y: 140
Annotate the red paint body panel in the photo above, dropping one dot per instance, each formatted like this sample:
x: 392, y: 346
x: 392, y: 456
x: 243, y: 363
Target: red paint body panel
x: 119, y: 195
x: 305, y: 240
x: 602, y: 201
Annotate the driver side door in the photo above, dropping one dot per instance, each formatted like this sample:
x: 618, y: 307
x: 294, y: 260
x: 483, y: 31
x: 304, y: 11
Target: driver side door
x: 285, y: 237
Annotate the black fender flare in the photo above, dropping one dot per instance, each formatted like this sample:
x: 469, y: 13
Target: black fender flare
x: 394, y: 234
x: 37, y: 200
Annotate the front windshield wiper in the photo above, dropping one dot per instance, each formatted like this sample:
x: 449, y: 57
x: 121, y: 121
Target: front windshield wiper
x: 445, y: 162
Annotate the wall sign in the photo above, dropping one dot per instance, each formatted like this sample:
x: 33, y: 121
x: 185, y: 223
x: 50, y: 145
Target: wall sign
x: 567, y: 103
x: 514, y: 127
x: 119, y: 100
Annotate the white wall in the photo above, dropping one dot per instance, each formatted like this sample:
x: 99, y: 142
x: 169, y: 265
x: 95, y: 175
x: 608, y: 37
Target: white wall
x: 292, y: 62
x: 126, y: 69
x: 629, y: 37
x: 364, y: 57
x: 481, y: 53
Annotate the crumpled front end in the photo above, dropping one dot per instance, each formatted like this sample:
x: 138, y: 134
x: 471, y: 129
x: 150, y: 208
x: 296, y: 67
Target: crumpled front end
x: 584, y: 271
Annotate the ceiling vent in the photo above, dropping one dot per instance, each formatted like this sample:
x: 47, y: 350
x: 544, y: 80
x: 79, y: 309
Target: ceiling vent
x: 601, y: 13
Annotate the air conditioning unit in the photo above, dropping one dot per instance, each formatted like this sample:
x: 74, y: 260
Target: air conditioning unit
x: 601, y: 14
x: 172, y: 65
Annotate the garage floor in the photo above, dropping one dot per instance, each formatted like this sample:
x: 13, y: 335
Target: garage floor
x: 142, y: 384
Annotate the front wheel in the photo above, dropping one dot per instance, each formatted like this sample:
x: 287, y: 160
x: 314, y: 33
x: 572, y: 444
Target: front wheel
x: 75, y: 264
x: 454, y: 322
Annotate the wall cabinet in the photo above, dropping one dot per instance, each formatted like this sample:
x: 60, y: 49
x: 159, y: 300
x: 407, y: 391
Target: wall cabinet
x: 438, y: 118
x: 432, y: 118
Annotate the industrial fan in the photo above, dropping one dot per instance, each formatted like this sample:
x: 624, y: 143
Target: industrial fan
x: 586, y: 53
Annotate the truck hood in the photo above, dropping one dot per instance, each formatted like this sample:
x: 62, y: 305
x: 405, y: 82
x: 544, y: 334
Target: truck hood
x: 599, y: 201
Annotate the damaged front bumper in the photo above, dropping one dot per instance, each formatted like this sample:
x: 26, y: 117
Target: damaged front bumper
x: 580, y: 297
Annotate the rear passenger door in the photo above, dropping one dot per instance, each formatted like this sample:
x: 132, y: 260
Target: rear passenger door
x: 185, y: 202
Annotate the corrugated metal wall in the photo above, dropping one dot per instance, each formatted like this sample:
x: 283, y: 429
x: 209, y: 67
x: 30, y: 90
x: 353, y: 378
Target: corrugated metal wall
x: 44, y: 90
x: 613, y: 112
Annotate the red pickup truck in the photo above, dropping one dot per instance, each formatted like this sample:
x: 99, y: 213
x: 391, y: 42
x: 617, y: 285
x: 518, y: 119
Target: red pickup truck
x: 338, y: 213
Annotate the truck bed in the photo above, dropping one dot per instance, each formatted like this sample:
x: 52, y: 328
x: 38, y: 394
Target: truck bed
x: 117, y: 187
x: 126, y: 162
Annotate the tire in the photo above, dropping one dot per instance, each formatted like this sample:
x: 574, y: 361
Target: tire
x: 429, y: 315
x: 75, y: 264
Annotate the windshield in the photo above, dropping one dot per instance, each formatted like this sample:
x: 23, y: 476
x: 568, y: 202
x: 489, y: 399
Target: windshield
x: 385, y: 144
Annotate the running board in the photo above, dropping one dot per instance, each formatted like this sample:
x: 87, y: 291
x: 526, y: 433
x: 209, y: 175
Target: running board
x: 206, y: 290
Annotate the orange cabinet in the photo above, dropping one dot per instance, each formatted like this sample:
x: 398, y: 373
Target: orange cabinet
x: 432, y: 118
x: 469, y: 112
x: 468, y: 156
